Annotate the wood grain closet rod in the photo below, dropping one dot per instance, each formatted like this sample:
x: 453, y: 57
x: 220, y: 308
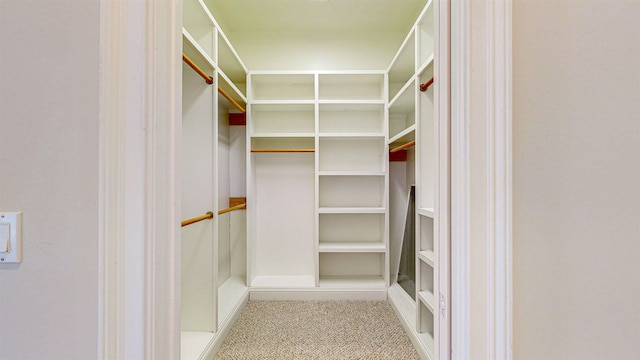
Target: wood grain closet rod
x: 233, y: 102
x: 426, y: 85
x: 237, y: 207
x: 282, y: 150
x: 197, y: 69
x: 402, y: 147
x: 207, y: 216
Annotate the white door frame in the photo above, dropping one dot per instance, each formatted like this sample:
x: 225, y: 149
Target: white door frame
x: 139, y: 179
x: 481, y: 179
x: 140, y: 131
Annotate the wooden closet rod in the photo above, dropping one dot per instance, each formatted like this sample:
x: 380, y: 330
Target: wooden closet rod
x: 237, y: 207
x: 197, y: 69
x: 402, y: 147
x: 426, y: 85
x: 208, y: 215
x: 282, y: 150
x: 233, y: 102
x: 209, y: 80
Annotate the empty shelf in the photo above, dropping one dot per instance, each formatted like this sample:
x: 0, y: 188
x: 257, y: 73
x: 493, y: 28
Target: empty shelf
x: 351, y: 246
x: 427, y: 256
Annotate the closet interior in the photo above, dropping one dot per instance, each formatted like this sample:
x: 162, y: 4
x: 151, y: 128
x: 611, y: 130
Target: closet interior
x: 301, y: 185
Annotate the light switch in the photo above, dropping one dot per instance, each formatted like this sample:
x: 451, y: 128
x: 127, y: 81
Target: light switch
x: 5, y: 237
x: 10, y: 237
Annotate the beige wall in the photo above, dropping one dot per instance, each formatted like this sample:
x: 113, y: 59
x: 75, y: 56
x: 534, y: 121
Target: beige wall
x: 49, y: 92
x: 576, y: 180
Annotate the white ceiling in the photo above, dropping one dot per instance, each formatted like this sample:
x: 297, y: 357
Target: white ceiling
x: 316, y: 15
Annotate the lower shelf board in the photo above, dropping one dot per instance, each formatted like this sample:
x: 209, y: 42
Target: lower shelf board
x: 352, y: 281
x: 230, y: 294
x: 427, y: 299
x: 351, y: 246
x: 284, y: 281
x: 427, y: 256
x: 193, y: 343
x: 405, y: 308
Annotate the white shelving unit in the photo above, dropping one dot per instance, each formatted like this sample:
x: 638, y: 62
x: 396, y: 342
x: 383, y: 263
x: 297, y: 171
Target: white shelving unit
x: 313, y: 164
x: 413, y: 117
x: 214, y: 277
x: 336, y: 222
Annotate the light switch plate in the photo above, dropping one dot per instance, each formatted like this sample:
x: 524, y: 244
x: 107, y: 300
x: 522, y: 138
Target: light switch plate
x: 14, y: 220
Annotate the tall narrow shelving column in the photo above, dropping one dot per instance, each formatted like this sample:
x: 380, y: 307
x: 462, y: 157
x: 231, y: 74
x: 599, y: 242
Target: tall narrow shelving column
x: 351, y: 176
x: 214, y: 287
x: 414, y: 116
x: 198, y: 294
x: 318, y: 228
x: 281, y: 123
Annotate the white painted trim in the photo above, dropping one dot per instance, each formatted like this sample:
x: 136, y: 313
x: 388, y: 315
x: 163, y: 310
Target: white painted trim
x: 484, y: 33
x: 139, y: 202
x: 442, y: 199
x: 460, y: 191
x: 500, y: 154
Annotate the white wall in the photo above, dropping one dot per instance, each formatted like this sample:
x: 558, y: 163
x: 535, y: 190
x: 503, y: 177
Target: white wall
x: 288, y: 50
x: 49, y: 93
x: 576, y: 179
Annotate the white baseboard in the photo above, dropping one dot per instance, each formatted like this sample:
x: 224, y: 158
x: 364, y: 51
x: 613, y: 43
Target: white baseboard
x: 223, y: 330
x: 405, y: 309
x: 317, y: 294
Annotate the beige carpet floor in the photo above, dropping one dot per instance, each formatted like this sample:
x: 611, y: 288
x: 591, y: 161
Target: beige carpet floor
x: 317, y: 330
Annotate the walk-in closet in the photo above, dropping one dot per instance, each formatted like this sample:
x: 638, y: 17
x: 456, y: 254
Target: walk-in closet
x: 315, y: 178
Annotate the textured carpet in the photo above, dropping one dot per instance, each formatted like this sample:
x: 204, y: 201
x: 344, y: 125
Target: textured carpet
x: 317, y: 330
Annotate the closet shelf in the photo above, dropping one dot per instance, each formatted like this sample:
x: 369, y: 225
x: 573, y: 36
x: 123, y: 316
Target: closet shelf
x: 427, y: 298
x: 282, y: 150
x: 351, y: 210
x: 284, y: 102
x: 403, y: 147
x: 231, y: 100
x: 282, y: 135
x: 428, y: 212
x: 404, y: 136
x: 405, y: 88
x: 351, y: 136
x: 208, y: 79
x: 351, y: 102
x: 351, y: 173
x: 233, y: 88
x: 284, y: 281
x: 352, y: 281
x: 193, y: 44
x: 427, y: 256
x: 351, y: 246
x: 428, y: 63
